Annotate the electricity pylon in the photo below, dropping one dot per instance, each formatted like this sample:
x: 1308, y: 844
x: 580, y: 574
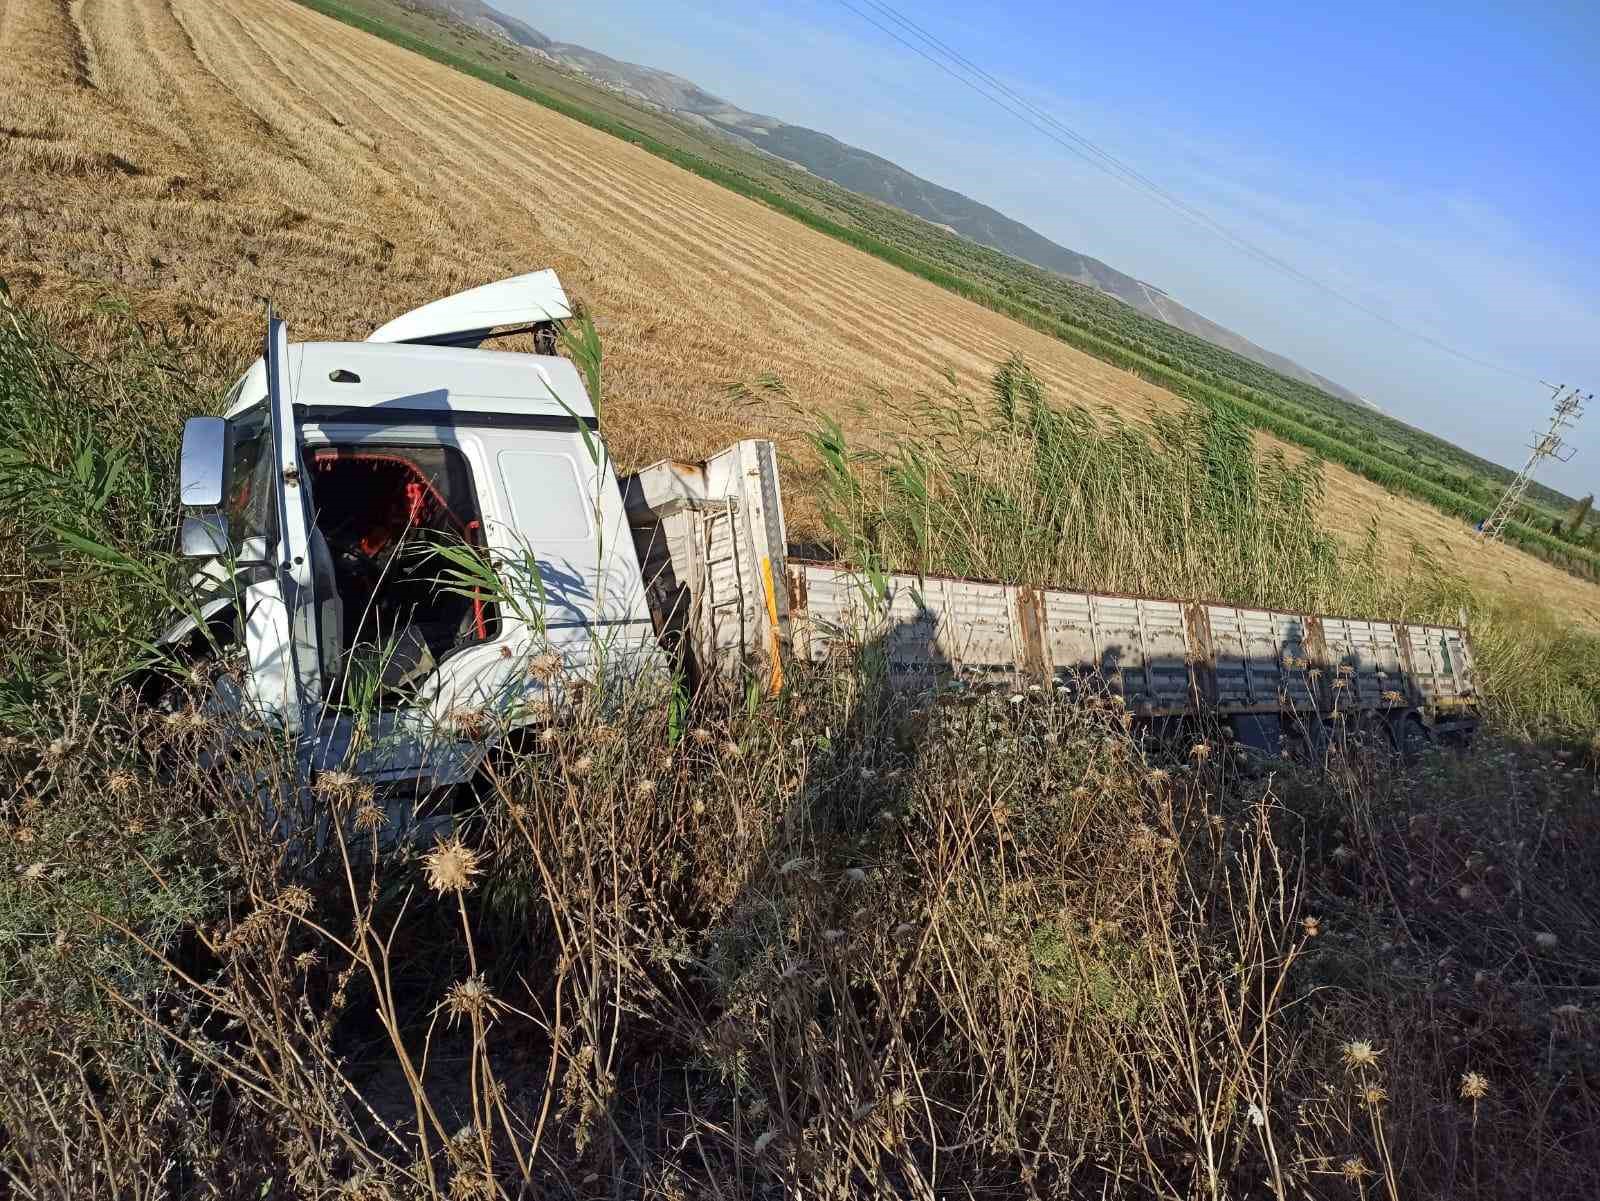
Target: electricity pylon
x: 1547, y: 444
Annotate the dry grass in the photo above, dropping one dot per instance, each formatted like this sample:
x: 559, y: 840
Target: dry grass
x: 197, y: 156
x: 979, y: 949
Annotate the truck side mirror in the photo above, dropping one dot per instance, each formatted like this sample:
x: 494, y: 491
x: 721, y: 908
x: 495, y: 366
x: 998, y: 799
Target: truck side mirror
x: 200, y: 466
x: 204, y: 536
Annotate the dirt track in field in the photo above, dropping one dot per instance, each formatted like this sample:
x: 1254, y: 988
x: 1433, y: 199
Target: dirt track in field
x: 196, y: 155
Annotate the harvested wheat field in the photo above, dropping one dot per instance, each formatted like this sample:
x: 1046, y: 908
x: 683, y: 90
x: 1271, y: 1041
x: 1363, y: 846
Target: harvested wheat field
x: 196, y: 156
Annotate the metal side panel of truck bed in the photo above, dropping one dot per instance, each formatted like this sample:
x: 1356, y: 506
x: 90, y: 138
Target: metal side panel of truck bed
x: 1163, y: 657
x: 710, y: 539
x: 711, y: 545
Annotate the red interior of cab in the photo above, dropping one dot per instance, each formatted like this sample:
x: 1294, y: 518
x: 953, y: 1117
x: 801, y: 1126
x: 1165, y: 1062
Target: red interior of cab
x: 374, y: 503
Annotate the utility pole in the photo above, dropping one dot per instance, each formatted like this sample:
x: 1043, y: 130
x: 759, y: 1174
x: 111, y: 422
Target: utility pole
x: 1546, y: 444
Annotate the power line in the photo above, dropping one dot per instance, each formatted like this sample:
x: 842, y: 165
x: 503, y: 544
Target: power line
x: 998, y: 94
x: 1546, y: 445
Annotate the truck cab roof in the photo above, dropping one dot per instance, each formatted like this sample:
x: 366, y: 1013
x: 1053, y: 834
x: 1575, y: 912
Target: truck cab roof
x: 424, y: 366
x: 419, y: 383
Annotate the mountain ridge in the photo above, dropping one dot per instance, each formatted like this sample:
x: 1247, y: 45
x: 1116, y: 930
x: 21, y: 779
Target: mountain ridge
x: 875, y: 177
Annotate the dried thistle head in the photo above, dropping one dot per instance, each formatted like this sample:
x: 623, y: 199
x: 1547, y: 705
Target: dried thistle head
x: 1474, y: 1086
x: 1359, y: 1053
x: 296, y: 899
x: 450, y: 866
x: 336, y: 786
x: 469, y: 1184
x: 469, y: 998
x: 701, y: 735
x: 546, y: 667
x: 472, y: 724
x: 580, y: 767
x: 1312, y: 926
x: 1374, y: 1095
x: 645, y: 789
x: 120, y: 782
x: 1354, y: 1169
x: 1201, y: 751
x: 371, y: 818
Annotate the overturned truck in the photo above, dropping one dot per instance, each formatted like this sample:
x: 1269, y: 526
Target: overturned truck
x: 408, y: 541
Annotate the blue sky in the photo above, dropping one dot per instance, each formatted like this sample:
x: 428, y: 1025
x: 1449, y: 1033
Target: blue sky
x: 1434, y: 162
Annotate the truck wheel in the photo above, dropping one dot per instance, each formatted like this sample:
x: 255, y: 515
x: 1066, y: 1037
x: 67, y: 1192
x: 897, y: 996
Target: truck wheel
x: 1410, y: 737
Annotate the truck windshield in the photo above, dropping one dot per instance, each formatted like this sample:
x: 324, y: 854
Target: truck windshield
x: 248, y: 499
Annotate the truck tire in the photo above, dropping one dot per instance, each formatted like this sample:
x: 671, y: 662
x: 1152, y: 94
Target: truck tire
x: 1410, y: 737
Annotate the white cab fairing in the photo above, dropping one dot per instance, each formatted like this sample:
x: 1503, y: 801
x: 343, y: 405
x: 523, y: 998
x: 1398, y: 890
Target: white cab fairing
x: 521, y: 300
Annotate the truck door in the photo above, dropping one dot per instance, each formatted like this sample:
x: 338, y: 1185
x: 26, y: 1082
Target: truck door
x: 291, y: 640
x: 576, y: 606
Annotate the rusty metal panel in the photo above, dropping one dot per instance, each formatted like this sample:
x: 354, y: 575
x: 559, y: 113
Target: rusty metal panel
x: 1202, y: 658
x: 1458, y: 648
x: 1160, y: 655
x: 1364, y: 660
x: 1035, y: 664
x: 1263, y: 656
x: 1343, y: 656
x: 1441, y: 665
x: 1300, y: 648
x: 978, y: 632
x: 1389, y: 671
x: 835, y: 614
x: 927, y: 630
x: 728, y: 615
x: 908, y: 623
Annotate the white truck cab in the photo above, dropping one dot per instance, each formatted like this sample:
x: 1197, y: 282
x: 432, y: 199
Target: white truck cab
x: 346, y: 499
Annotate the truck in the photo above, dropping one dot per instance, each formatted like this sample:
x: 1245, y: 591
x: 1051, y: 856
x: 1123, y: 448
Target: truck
x: 408, y: 541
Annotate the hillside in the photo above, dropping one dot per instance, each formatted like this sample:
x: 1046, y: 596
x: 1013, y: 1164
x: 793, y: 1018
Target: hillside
x: 872, y: 175
x: 1398, y: 456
